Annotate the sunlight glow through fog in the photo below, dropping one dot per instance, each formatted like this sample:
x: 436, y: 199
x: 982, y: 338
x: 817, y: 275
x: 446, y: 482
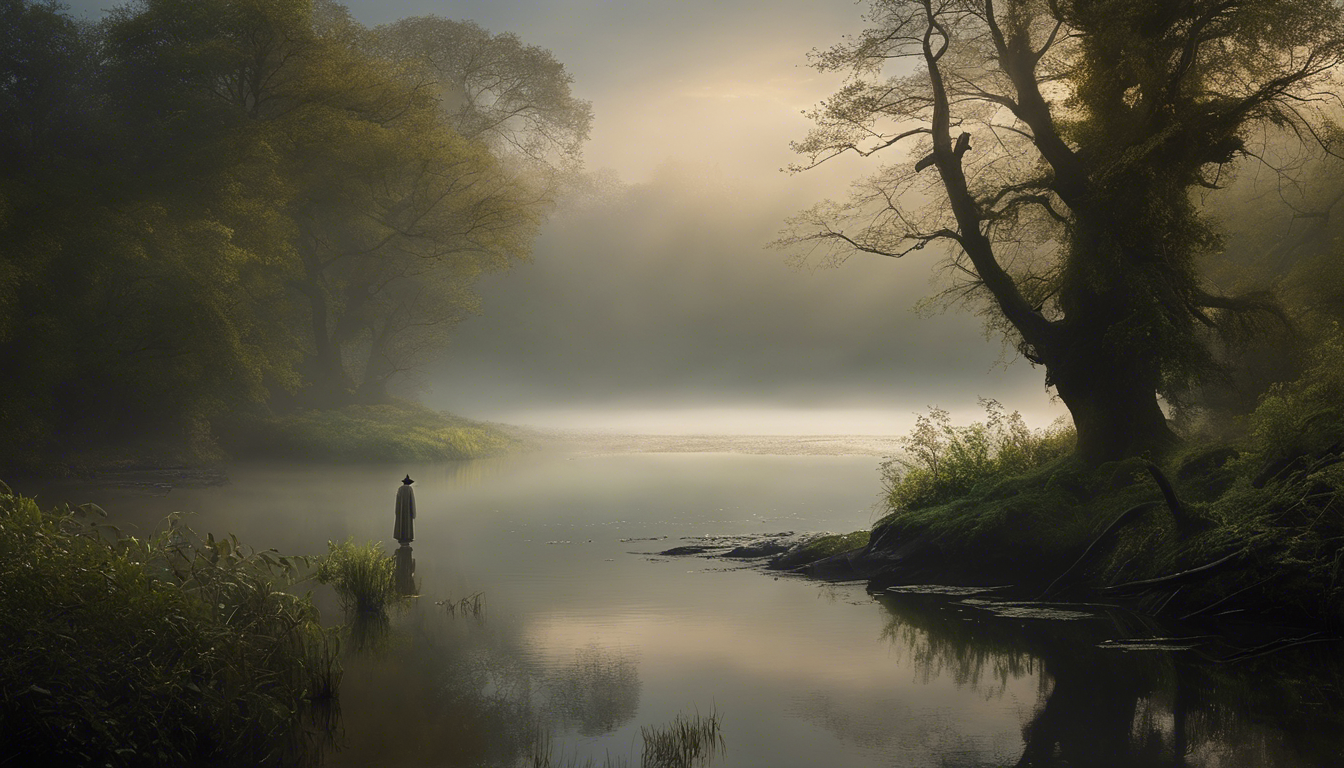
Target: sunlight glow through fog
x: 748, y: 420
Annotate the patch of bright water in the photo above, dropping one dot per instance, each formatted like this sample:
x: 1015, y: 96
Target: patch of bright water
x: 585, y: 636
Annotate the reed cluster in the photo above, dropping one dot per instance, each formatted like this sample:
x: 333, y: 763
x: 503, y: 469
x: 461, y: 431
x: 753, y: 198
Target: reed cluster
x: 363, y: 575
x: 471, y: 605
x: 689, y: 740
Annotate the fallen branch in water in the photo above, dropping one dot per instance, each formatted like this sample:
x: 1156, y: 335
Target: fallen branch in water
x: 1173, y: 578
x: 1222, y: 600
x: 1275, y: 646
x: 1167, y: 602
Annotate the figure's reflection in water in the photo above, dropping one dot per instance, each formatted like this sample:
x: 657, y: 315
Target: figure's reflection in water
x: 1112, y: 709
x: 438, y: 690
x: 405, y: 571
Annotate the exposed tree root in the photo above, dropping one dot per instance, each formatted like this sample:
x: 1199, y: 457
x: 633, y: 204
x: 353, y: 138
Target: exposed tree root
x: 1104, y: 538
x: 1185, y: 525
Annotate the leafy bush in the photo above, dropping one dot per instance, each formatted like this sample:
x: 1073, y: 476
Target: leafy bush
x: 944, y: 462
x: 363, y: 576
x: 167, y: 651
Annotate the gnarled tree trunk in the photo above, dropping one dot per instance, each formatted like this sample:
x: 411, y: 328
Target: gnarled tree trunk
x: 1114, y: 408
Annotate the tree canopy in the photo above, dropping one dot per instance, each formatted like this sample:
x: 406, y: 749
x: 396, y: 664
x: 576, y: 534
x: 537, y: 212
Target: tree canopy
x: 1063, y: 144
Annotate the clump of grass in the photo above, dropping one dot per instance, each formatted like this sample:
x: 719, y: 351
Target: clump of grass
x: 168, y: 651
x: 399, y: 431
x: 363, y: 575
x: 543, y: 755
x: 471, y: 605
x: 687, y: 741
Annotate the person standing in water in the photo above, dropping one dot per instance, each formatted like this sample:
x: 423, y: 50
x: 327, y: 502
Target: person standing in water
x: 404, y: 529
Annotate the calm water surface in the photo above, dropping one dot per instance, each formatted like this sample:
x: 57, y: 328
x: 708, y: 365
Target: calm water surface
x: 586, y: 636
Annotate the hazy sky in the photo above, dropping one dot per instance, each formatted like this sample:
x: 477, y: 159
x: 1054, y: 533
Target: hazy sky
x: 661, y: 309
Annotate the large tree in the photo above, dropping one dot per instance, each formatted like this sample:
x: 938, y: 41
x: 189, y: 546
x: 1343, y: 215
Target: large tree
x: 1060, y: 146
x: 408, y: 160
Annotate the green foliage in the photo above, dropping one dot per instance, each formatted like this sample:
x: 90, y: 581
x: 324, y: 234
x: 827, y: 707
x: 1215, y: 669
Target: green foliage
x: 363, y: 575
x: 1073, y: 227
x: 212, y: 205
x: 1304, y: 414
x: 167, y: 651
x: 1285, y: 503
x: 944, y: 462
x: 396, y: 432
x: 1276, y: 499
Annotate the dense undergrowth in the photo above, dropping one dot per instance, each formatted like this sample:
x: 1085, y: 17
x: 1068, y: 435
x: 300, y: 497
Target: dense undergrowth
x: 169, y: 651
x: 1002, y: 503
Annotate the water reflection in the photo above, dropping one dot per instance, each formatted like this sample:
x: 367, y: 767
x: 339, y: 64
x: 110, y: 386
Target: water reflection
x: 1115, y: 709
x: 405, y: 564
x: 590, y: 635
x: 367, y: 631
x: 438, y: 692
x: 598, y: 691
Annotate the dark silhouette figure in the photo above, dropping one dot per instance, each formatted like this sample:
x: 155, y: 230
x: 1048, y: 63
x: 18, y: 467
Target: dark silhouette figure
x: 404, y: 529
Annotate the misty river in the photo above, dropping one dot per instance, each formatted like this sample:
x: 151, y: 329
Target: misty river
x: 585, y: 635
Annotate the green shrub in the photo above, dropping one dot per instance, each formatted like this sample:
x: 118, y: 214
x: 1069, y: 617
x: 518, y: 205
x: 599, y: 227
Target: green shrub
x: 945, y: 462
x: 363, y: 576
x: 168, y: 651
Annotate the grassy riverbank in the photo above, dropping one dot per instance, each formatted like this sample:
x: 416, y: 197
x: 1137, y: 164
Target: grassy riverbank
x: 401, y: 431
x: 167, y: 651
x: 1250, y: 526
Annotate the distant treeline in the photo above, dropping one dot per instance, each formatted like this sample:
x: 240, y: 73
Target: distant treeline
x: 215, y: 205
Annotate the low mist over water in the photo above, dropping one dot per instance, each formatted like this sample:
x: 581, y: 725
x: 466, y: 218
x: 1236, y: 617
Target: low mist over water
x: 587, y: 634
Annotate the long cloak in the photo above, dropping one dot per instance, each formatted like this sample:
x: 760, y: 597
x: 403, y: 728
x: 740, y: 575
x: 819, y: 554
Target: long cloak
x: 404, y: 529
